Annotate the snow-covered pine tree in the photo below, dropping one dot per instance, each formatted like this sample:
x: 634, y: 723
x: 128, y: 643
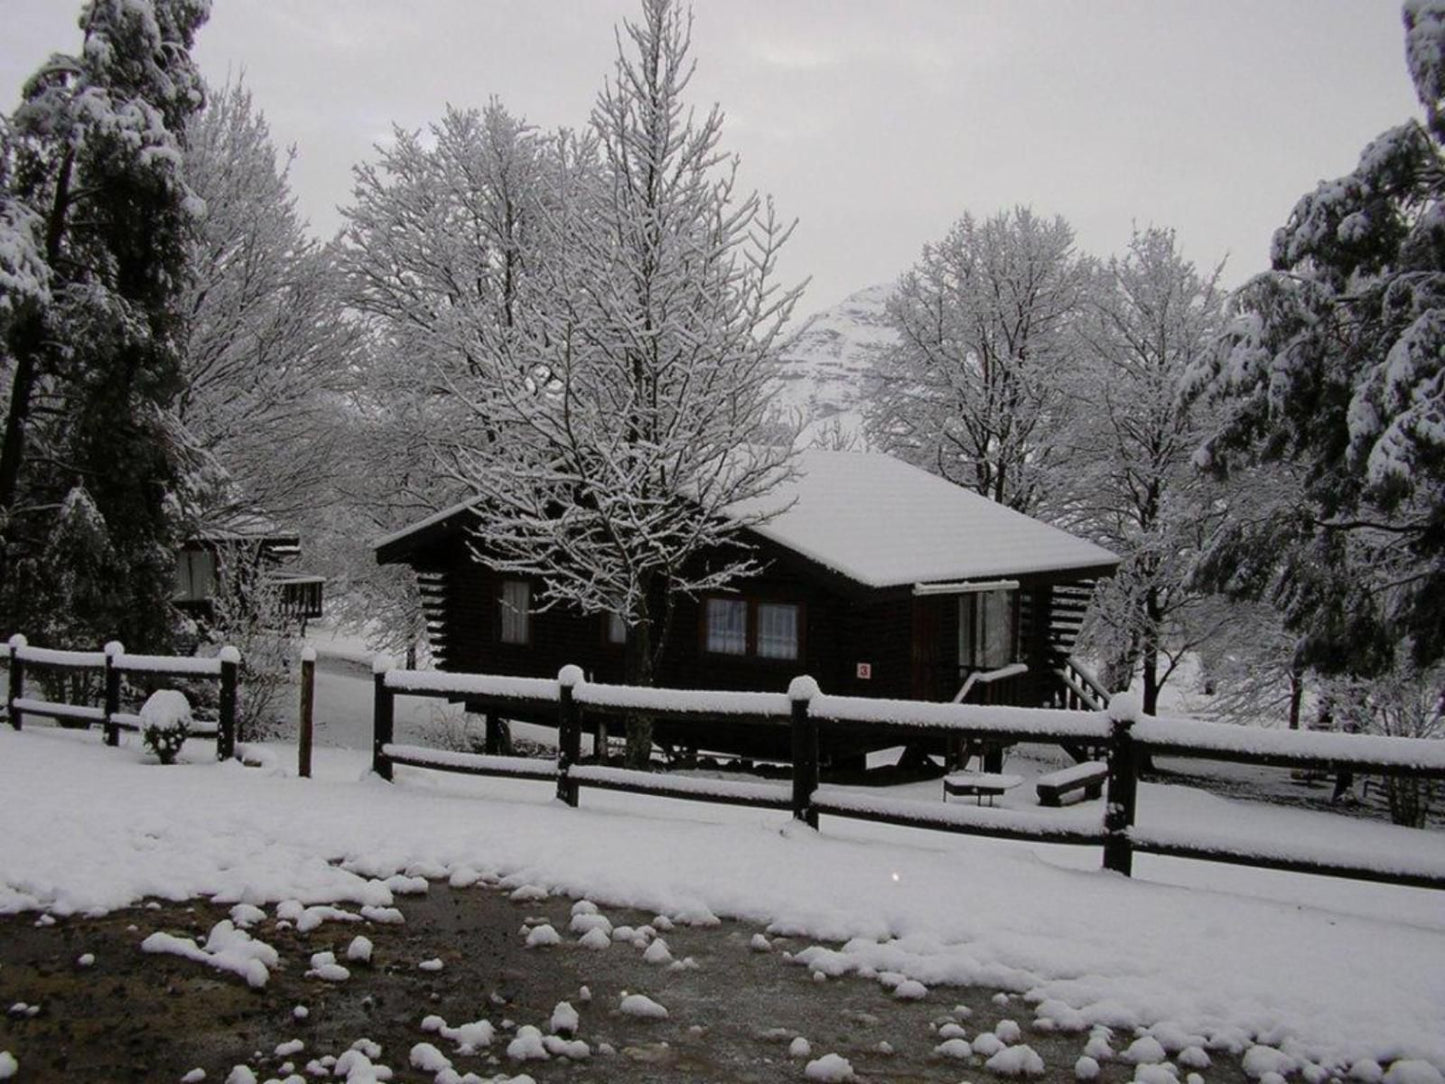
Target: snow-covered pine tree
x: 630, y: 396
x: 979, y: 387
x: 1335, y: 365
x: 95, y: 174
x: 1153, y: 318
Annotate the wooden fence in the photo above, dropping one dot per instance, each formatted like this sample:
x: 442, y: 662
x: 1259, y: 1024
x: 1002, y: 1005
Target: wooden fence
x: 113, y: 664
x: 1127, y: 734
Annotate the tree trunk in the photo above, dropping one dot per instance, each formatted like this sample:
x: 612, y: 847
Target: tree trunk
x: 1296, y: 695
x: 638, y: 668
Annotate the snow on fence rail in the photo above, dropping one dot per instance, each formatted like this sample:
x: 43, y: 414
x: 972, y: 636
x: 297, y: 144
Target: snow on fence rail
x: 1122, y: 729
x: 114, y: 663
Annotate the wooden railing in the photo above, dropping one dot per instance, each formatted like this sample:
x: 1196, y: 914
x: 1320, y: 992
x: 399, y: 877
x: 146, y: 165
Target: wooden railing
x: 1125, y: 732
x: 1082, y: 691
x: 113, y: 663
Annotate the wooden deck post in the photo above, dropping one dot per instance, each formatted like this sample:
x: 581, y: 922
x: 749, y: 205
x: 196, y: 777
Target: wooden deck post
x: 17, y: 680
x: 308, y: 705
x: 569, y: 732
x: 226, y: 725
x: 805, y: 750
x: 1123, y: 789
x: 383, y: 718
x: 113, y: 651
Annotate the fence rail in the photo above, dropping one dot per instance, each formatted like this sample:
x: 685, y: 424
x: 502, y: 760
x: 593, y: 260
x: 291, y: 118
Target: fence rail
x: 113, y: 664
x: 1121, y: 729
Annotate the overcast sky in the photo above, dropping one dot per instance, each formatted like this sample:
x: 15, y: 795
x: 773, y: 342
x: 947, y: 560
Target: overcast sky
x: 876, y: 123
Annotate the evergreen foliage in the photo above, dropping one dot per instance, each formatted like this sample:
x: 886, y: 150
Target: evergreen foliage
x: 1334, y: 367
x: 96, y: 217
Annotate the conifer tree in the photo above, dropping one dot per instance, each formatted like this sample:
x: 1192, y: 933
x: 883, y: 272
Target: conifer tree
x: 95, y: 204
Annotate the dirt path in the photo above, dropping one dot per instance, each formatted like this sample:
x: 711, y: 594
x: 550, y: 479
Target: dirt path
x: 132, y: 1016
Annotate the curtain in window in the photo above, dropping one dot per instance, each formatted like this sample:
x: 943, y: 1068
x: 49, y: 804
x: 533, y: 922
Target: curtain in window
x: 777, y: 631
x: 727, y: 626
x: 516, y: 603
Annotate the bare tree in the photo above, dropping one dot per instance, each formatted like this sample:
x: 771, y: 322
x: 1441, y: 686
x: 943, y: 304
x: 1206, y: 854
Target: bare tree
x: 1153, y: 319
x: 265, y: 351
x: 979, y: 387
x: 629, y: 396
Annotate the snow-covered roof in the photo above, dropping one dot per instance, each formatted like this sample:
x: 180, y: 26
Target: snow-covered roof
x: 883, y: 523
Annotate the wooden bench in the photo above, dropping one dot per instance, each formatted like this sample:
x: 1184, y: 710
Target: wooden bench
x: 978, y: 785
x: 1088, y: 778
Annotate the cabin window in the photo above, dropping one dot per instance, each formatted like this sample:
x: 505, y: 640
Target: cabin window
x: 987, y: 629
x: 764, y: 630
x: 727, y: 626
x: 777, y: 631
x: 195, y: 576
x: 616, y: 629
x: 516, y: 607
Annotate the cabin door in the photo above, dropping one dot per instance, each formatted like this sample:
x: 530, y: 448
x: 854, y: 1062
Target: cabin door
x: 934, y: 667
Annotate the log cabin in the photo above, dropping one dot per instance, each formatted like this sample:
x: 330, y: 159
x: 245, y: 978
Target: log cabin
x: 879, y: 580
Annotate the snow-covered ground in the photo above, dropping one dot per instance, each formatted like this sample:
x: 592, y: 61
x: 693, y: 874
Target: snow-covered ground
x: 1329, y: 972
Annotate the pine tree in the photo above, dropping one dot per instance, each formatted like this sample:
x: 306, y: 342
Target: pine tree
x: 96, y: 192
x: 1335, y: 367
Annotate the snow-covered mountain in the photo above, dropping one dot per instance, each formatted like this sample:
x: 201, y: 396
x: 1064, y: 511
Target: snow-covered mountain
x: 826, y: 363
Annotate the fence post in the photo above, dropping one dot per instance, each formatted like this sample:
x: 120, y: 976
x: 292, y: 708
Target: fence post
x: 383, y: 718
x: 1119, y: 802
x: 805, y: 750
x: 17, y: 680
x: 113, y: 651
x: 226, y: 725
x: 308, y: 704
x: 569, y: 732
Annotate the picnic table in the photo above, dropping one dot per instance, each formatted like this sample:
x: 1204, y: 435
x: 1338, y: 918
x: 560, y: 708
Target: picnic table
x: 979, y: 785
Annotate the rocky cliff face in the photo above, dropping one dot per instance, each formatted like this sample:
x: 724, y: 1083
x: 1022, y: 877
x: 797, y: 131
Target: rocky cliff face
x: 827, y: 363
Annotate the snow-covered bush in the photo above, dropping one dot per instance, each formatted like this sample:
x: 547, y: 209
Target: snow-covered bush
x: 165, y: 722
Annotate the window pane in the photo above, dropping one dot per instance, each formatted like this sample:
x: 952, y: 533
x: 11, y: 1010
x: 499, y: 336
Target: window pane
x: 777, y: 631
x: 965, y: 632
x: 516, y: 601
x: 998, y: 629
x: 727, y: 626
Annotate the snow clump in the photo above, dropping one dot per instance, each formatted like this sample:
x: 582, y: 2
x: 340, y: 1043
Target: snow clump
x: 657, y: 953
x: 359, y: 951
x: 1016, y: 1061
x: 528, y: 1045
x: 910, y: 990
x: 1086, y: 1068
x: 325, y: 968
x: 8, y: 1065
x: 543, y: 936
x: 595, y: 939
x: 564, y: 1019
x: 800, y: 1048
x: 641, y: 1005
x: 1145, y: 1050
x: 226, y: 949
x: 832, y: 1067
x: 954, y: 1048
x: 429, y: 1059
x: 1413, y: 1071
